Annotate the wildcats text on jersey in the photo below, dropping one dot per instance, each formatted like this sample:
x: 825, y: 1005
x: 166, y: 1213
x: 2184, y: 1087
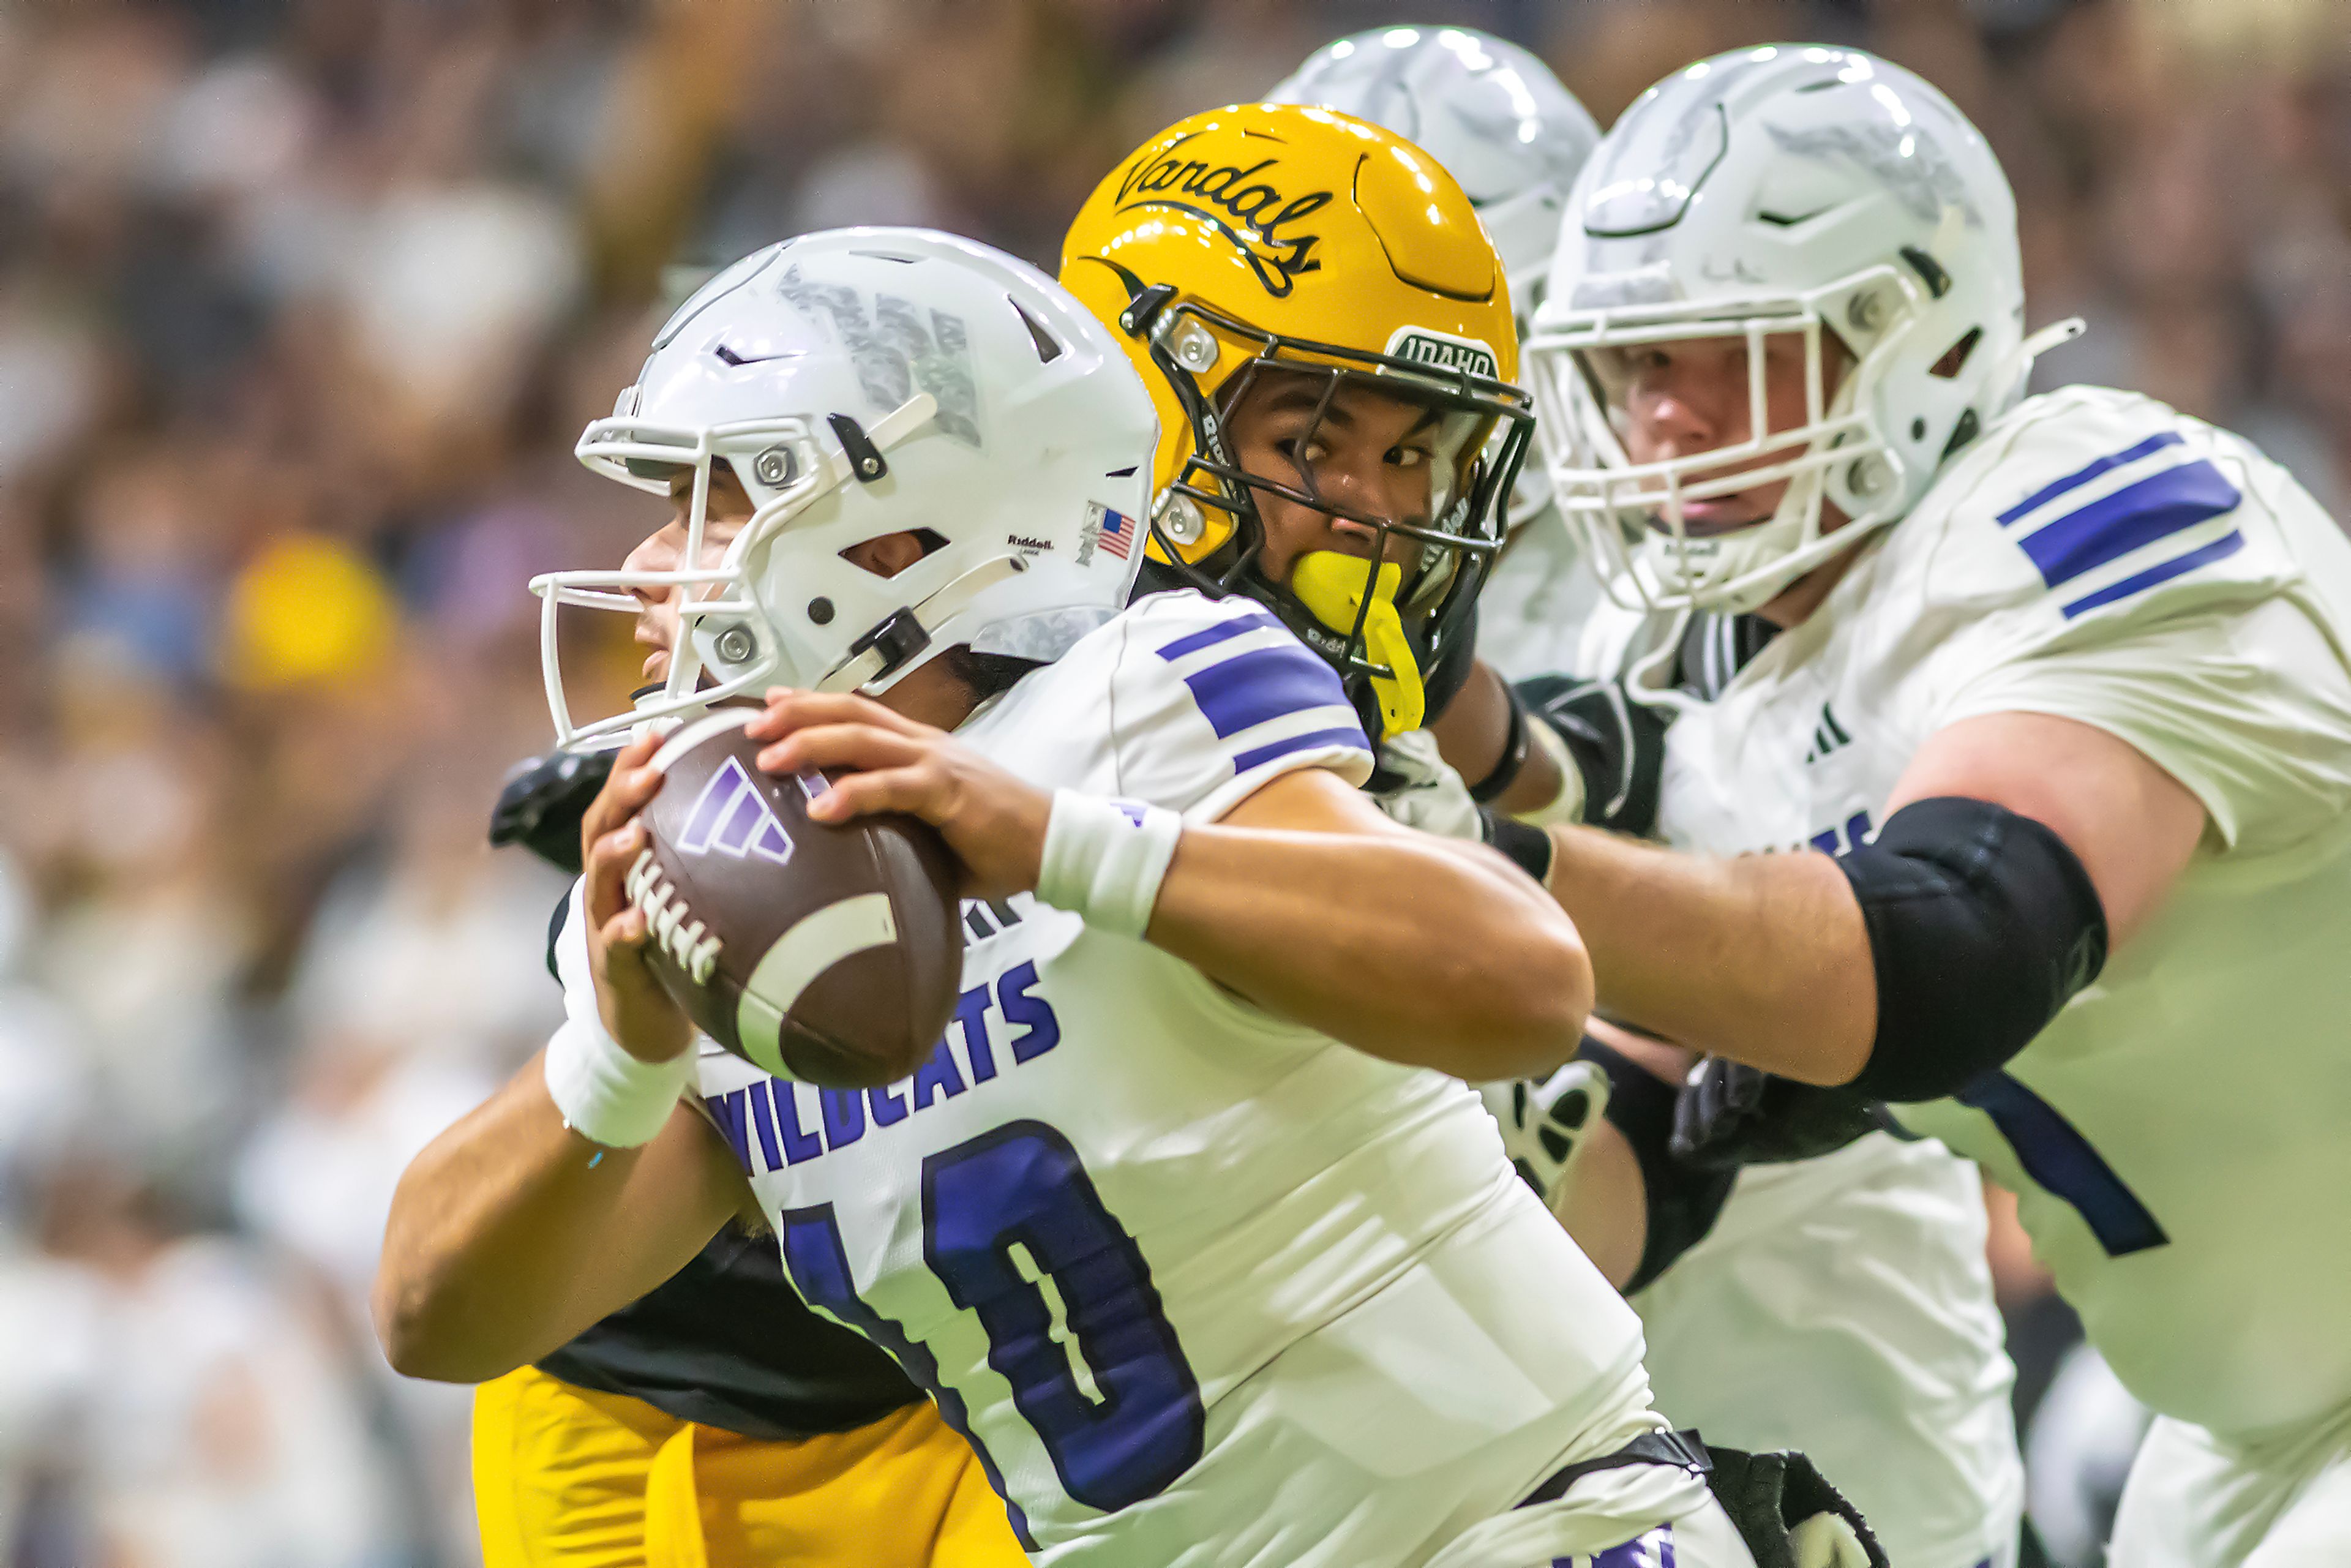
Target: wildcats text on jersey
x: 1002, y: 1023
x: 1153, y: 1250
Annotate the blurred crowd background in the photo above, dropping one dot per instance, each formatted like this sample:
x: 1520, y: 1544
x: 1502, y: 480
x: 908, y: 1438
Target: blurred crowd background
x: 302, y: 305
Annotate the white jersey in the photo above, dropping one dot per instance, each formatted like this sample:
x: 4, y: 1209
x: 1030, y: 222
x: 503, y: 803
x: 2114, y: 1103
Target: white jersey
x: 2176, y: 1135
x: 1839, y: 1305
x: 1200, y: 1285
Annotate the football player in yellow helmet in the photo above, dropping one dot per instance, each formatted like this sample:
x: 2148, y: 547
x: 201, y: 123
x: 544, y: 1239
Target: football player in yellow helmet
x: 1325, y: 329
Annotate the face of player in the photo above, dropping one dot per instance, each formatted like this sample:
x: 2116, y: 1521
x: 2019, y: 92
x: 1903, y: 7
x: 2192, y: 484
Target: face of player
x: 728, y: 509
x: 1369, y: 452
x: 1678, y: 400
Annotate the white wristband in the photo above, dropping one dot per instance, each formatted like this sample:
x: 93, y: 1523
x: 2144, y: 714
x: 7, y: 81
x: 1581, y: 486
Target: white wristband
x: 1104, y: 860
x: 1567, y: 806
x: 606, y: 1095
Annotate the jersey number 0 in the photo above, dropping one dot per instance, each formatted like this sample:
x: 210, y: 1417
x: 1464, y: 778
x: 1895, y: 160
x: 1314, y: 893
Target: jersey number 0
x: 1013, y: 1228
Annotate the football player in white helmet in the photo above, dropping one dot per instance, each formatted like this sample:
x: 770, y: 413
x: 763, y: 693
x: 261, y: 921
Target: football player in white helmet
x: 1902, y: 1396
x: 2061, y: 705
x: 1503, y: 126
x: 1176, y: 1225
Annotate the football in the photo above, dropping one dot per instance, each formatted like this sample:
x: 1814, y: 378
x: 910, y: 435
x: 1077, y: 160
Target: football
x: 830, y: 953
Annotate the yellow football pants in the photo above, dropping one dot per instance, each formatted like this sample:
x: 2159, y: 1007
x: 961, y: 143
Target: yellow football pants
x: 567, y: 1478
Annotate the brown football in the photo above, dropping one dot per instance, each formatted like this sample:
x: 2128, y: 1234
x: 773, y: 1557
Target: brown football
x: 830, y: 953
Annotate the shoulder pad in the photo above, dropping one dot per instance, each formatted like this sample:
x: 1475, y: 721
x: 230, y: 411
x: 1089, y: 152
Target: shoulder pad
x: 2091, y: 504
x: 1211, y: 698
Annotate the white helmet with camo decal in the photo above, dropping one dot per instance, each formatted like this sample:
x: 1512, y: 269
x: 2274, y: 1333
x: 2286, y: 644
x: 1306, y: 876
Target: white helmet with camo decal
x: 1489, y: 111
x: 861, y: 383
x: 1787, y: 190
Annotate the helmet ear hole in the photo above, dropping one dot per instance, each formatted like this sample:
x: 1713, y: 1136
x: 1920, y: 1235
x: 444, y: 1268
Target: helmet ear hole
x: 1049, y: 348
x: 889, y: 554
x: 1964, y: 432
x: 1955, y: 358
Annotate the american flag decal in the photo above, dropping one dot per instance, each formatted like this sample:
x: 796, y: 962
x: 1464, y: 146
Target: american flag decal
x: 1117, y: 533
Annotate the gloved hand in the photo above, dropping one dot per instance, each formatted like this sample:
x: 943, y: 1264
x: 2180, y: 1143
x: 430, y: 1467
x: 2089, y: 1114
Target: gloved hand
x: 542, y: 802
x: 1729, y: 1115
x: 1788, y: 1513
x: 1618, y: 745
x: 1416, y: 786
x: 1546, y: 1126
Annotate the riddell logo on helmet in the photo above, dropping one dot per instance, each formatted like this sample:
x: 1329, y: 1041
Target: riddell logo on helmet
x: 1257, y: 210
x: 1442, y: 351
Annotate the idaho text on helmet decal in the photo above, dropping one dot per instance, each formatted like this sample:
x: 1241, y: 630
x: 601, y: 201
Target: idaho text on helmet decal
x: 1161, y: 179
x: 893, y: 352
x: 1442, y: 351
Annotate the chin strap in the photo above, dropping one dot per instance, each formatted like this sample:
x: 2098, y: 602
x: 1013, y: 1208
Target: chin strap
x: 1333, y: 586
x: 897, y: 637
x: 889, y: 642
x: 860, y: 450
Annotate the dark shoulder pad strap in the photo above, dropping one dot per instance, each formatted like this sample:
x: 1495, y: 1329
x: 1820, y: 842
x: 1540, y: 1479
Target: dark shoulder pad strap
x: 1618, y: 744
x: 1684, y: 1450
x: 1529, y: 848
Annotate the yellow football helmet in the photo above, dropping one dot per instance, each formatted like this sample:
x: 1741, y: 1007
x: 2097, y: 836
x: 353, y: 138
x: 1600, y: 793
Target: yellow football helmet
x: 1294, y: 238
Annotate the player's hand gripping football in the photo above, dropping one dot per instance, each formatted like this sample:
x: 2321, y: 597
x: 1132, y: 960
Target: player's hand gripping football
x: 636, y: 1011
x: 994, y: 821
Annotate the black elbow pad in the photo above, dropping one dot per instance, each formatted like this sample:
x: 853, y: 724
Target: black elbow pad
x: 1683, y: 1199
x: 1982, y: 925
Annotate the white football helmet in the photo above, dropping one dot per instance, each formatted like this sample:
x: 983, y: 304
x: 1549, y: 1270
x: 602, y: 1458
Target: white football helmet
x: 861, y: 383
x: 1493, y: 114
x: 1786, y: 189
x: 1504, y: 126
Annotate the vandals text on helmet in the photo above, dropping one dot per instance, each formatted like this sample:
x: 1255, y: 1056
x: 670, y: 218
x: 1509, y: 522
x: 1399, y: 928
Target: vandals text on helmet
x: 1249, y: 209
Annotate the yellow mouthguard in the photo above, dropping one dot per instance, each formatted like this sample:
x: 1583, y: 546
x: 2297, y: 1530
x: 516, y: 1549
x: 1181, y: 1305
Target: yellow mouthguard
x: 1331, y: 586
